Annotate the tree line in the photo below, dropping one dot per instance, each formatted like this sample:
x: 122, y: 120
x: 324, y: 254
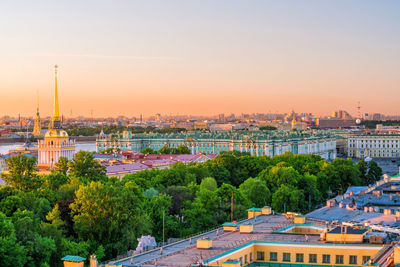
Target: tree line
x: 112, y: 129
x: 77, y: 210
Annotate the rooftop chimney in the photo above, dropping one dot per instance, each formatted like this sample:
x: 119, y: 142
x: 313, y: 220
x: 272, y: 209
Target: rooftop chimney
x: 93, y: 261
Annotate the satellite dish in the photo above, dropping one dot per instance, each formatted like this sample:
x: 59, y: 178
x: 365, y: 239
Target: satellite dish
x: 358, y: 121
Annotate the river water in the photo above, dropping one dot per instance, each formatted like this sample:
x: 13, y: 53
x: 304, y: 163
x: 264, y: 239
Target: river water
x: 79, y: 146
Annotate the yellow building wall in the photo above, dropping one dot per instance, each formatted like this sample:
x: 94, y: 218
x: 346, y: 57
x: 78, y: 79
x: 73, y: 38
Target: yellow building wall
x: 304, y: 230
x: 253, y: 213
x: 350, y: 238
x: 54, y: 144
x: 246, y: 228
x: 204, y: 243
x: 229, y: 228
x: 250, y: 214
x: 299, y: 219
x: 93, y: 261
x: 73, y: 264
x: 306, y: 250
x: 240, y: 254
x: 231, y: 264
x: 266, y: 211
x: 396, y: 257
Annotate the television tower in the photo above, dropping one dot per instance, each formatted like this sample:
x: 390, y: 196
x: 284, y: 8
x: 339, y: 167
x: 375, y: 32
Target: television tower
x: 358, y: 120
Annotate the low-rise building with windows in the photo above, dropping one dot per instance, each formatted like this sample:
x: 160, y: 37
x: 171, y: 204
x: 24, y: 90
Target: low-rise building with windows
x: 374, y: 146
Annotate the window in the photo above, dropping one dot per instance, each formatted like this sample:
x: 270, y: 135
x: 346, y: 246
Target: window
x: 366, y: 259
x: 260, y: 256
x: 251, y: 256
x: 273, y: 256
x: 326, y: 258
x: 241, y: 261
x: 286, y: 257
x: 245, y: 259
x: 339, y: 259
x: 353, y: 259
x: 313, y: 258
x: 299, y: 257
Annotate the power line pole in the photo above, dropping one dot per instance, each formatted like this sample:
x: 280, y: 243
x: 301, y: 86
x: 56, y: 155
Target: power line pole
x: 163, y: 226
x: 232, y: 207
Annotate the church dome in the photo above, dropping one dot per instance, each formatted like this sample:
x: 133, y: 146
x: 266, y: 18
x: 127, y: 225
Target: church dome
x: 56, y: 133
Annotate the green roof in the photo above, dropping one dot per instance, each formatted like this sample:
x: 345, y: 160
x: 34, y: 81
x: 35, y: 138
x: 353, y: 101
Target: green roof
x: 229, y: 224
x: 73, y: 258
x: 231, y: 261
x: 254, y: 209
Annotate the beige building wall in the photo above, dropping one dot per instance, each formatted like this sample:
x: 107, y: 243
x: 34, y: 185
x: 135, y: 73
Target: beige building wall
x: 374, y: 146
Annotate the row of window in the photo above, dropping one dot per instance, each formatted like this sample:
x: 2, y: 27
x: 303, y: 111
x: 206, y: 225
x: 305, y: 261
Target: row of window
x: 373, y: 146
x: 312, y: 258
x: 377, y: 154
x: 374, y: 141
x: 247, y: 259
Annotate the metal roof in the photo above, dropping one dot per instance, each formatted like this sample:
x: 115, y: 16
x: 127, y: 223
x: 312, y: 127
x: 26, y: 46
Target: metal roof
x: 73, y: 258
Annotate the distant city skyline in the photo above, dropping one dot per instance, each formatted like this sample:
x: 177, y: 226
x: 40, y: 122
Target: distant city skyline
x: 200, y: 58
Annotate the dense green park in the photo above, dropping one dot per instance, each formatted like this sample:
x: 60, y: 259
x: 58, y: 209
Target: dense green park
x: 78, y: 210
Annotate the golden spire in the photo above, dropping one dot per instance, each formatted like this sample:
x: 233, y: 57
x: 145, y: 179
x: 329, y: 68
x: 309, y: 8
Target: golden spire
x: 37, y: 127
x: 56, y: 114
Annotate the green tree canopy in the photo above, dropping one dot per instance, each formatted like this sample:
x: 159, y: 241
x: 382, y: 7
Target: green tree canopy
x: 12, y: 253
x: 62, y: 165
x: 110, y: 215
x: 208, y: 183
x: 288, y: 198
x: 22, y: 172
x: 256, y: 191
x: 84, y: 166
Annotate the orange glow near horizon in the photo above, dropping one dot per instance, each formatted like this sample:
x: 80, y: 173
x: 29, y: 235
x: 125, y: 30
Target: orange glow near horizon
x: 200, y: 58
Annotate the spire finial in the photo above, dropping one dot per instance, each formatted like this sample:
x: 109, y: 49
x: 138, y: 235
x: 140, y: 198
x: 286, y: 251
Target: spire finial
x: 56, y: 114
x: 37, y: 100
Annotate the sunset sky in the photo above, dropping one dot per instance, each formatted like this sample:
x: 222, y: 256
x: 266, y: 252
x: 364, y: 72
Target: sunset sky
x: 200, y: 57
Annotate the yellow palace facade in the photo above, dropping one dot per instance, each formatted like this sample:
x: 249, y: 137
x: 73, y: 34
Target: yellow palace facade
x: 56, y: 142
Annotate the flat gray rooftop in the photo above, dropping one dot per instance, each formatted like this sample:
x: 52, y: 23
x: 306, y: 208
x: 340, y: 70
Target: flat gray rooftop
x: 185, y: 254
